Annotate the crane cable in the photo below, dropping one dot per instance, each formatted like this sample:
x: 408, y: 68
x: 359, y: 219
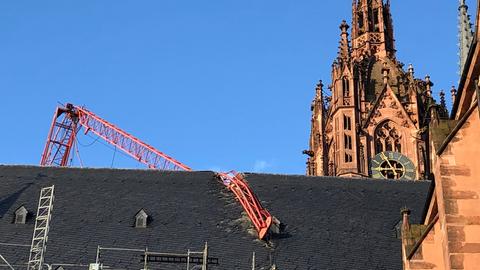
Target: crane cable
x: 75, y: 145
x: 113, y: 158
x: 89, y: 144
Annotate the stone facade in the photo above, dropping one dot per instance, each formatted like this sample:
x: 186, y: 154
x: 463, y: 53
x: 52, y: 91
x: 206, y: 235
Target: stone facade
x: 374, y: 105
x: 449, y: 237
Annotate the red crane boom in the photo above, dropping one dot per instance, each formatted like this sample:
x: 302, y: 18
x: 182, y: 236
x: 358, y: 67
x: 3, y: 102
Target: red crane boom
x: 64, y: 130
x: 68, y: 120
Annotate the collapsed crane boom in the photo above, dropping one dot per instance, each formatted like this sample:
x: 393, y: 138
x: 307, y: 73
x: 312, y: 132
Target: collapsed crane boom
x: 64, y: 129
x: 68, y: 120
x: 260, y: 217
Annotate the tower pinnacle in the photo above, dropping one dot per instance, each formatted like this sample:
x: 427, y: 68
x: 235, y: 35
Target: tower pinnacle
x: 344, y: 48
x: 465, y: 33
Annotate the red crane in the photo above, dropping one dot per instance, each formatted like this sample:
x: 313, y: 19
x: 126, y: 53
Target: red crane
x: 67, y: 122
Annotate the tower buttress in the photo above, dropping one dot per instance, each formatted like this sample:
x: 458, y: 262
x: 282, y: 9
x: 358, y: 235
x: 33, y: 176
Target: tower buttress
x: 316, y: 161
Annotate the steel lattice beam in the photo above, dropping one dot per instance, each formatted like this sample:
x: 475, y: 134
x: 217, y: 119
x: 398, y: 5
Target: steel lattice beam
x: 64, y: 128
x: 67, y: 122
x: 60, y: 139
x: 260, y: 217
x: 134, y: 147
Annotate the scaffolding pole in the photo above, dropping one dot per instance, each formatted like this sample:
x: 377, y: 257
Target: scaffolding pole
x: 5, y: 260
x: 199, y: 259
x: 253, y: 261
x: 205, y: 257
x: 145, y: 266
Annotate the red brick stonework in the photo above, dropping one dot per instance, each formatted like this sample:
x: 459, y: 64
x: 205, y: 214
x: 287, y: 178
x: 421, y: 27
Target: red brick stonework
x: 454, y: 205
x: 374, y: 105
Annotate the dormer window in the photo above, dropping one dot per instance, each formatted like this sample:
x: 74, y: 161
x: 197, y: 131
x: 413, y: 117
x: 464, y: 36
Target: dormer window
x: 141, y: 219
x: 21, y: 215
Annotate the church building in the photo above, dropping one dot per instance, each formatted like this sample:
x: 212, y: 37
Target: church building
x: 374, y: 121
x: 378, y: 121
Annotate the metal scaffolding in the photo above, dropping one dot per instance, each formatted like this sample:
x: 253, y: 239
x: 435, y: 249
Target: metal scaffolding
x: 42, y: 226
x: 191, y: 259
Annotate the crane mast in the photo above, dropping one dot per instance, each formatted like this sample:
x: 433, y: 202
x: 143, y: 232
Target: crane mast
x: 67, y: 122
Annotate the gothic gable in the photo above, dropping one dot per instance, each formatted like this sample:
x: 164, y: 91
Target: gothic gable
x: 388, y: 106
x: 373, y: 76
x: 347, y: 72
x: 375, y: 105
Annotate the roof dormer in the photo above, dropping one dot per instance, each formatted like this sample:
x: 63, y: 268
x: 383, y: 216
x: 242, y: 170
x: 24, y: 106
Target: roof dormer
x: 21, y: 215
x: 141, y: 219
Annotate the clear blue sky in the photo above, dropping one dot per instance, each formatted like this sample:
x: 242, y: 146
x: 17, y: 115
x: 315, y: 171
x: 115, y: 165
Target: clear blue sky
x: 217, y: 84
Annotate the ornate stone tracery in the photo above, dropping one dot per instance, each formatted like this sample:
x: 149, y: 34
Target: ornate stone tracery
x: 387, y: 137
x: 394, y: 105
x: 400, y: 115
x: 372, y: 92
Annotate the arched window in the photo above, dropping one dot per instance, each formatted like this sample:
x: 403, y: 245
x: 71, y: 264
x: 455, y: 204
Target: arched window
x: 373, y: 20
x: 346, y: 87
x: 387, y: 138
x: 389, y: 144
x: 348, y: 158
x: 348, y: 142
x: 376, y: 20
x: 347, y: 123
x: 360, y: 23
x: 398, y: 146
x: 378, y: 146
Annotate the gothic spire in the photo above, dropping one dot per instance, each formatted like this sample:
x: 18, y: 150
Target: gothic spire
x: 344, y: 48
x: 319, y: 91
x: 453, y: 92
x: 372, y: 29
x: 443, y: 105
x: 465, y: 33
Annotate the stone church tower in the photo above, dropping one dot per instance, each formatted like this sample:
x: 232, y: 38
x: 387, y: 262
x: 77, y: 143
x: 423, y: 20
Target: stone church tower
x: 374, y: 122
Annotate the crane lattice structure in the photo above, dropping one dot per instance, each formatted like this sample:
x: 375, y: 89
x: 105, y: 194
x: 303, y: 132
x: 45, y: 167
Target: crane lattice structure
x: 68, y: 120
x: 40, y: 231
x: 65, y: 126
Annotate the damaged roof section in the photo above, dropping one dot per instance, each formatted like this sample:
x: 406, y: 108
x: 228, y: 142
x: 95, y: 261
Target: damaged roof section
x: 330, y: 223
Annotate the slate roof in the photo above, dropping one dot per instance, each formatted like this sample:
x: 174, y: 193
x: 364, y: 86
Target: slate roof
x: 332, y: 223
